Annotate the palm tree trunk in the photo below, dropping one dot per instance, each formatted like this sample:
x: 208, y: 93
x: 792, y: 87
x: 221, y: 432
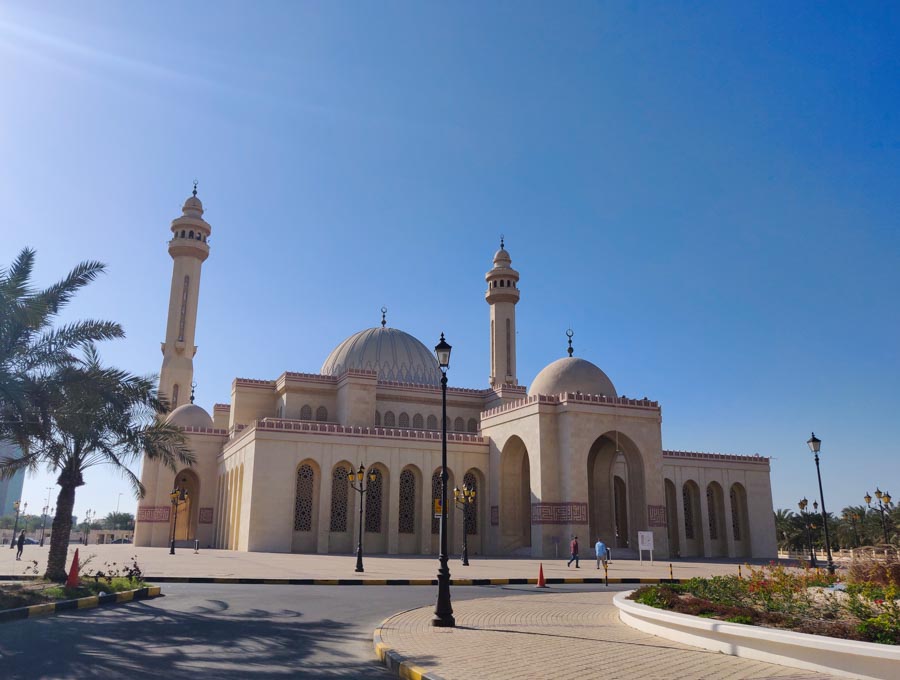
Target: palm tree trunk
x: 62, y: 528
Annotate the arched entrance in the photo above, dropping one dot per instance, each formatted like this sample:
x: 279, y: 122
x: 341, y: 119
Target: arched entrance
x: 739, y: 525
x: 186, y: 515
x: 672, y: 518
x: 515, y: 497
x: 715, y: 508
x: 409, y: 520
x: 473, y: 520
x: 693, y: 532
x: 616, y: 497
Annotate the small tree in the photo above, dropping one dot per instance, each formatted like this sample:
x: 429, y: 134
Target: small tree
x: 99, y: 415
x: 118, y: 520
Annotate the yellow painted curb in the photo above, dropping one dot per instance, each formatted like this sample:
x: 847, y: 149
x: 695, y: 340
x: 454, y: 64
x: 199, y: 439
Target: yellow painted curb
x: 41, y: 609
x: 394, y: 662
x: 88, y: 602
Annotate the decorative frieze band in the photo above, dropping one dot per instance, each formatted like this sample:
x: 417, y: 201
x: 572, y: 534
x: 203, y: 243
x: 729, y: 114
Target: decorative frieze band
x: 559, y: 513
x: 150, y: 513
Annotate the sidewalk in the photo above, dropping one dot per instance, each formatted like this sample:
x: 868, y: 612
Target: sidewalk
x: 231, y: 564
x: 547, y: 636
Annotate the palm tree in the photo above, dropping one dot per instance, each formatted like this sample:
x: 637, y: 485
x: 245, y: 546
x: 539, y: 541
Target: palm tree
x: 31, y: 349
x: 98, y: 415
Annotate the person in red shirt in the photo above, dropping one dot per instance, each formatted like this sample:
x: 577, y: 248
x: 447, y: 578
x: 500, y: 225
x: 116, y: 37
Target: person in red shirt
x: 574, y: 547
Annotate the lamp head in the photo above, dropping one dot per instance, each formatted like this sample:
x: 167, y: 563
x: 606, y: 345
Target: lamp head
x: 867, y: 498
x: 814, y: 443
x: 878, y: 493
x: 816, y: 506
x: 886, y: 497
x: 802, y: 504
x: 442, y: 351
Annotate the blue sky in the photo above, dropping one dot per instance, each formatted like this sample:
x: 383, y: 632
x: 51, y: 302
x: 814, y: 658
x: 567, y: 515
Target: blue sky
x: 706, y: 193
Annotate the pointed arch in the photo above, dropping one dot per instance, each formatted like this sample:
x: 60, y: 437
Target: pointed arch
x: 418, y: 422
x: 432, y: 422
x: 740, y: 526
x: 306, y: 412
x: 403, y: 420
x: 321, y: 414
x: 390, y: 420
x: 616, y: 489
x: 515, y: 496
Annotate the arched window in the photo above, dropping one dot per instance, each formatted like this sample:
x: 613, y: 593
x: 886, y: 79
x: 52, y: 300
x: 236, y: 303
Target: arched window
x: 174, y: 396
x: 407, y: 512
x: 306, y: 412
x: 377, y: 418
x: 339, y: 488
x: 403, y: 420
x: 418, y: 421
x: 473, y: 425
x: 304, y: 499
x: 711, y: 512
x: 459, y: 425
x: 321, y: 414
x: 501, y: 283
x: 435, y: 496
x: 688, y: 512
x: 373, y: 502
x: 191, y: 234
x: 735, y: 515
x: 199, y: 236
x: 182, y: 233
x: 471, y: 511
x: 432, y: 423
x: 389, y: 420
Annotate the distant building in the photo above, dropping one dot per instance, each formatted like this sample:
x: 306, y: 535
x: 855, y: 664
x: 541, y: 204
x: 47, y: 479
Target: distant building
x: 567, y: 455
x: 10, y: 489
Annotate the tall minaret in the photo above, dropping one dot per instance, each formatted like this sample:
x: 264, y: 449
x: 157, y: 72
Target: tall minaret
x: 502, y: 295
x: 188, y: 249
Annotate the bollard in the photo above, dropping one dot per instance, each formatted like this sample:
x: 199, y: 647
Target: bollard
x: 606, y: 571
x: 196, y: 545
x: 740, y: 574
x: 671, y: 577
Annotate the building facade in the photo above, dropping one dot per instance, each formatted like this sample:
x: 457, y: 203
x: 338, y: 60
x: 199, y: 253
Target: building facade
x: 11, y: 488
x: 565, y: 456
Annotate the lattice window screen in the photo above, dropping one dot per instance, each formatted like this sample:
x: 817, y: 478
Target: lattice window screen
x: 339, y: 489
x: 321, y: 414
x: 389, y: 419
x: 735, y: 516
x: 304, y: 500
x: 418, y: 421
x: 373, y: 503
x: 403, y: 421
x: 306, y: 412
x: 711, y: 506
x: 471, y: 511
x: 435, y: 496
x: 407, y: 502
x: 432, y: 423
x: 688, y: 512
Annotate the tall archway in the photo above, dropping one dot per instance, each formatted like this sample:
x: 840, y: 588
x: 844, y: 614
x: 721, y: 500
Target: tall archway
x: 740, y: 526
x: 672, y: 518
x: 340, y: 536
x: 409, y: 521
x: 188, y: 510
x: 306, y: 507
x: 693, y: 530
x: 473, y: 517
x: 616, y: 492
x: 515, y: 496
x: 715, y: 515
x: 377, y: 513
x: 451, y: 511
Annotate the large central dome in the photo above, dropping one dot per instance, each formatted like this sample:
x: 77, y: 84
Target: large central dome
x: 393, y: 354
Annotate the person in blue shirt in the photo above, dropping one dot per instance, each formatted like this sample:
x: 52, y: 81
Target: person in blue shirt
x: 602, y: 552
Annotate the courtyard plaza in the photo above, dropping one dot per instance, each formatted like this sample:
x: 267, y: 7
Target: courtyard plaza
x: 321, y: 631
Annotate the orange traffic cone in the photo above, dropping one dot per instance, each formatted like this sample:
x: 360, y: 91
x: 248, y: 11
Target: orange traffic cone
x: 72, y: 581
x: 541, y: 583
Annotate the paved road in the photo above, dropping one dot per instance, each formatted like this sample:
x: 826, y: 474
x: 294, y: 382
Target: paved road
x: 223, y: 631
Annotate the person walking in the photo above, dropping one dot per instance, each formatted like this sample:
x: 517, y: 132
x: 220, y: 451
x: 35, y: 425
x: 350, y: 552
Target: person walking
x: 601, y: 551
x: 21, y: 544
x: 574, y: 548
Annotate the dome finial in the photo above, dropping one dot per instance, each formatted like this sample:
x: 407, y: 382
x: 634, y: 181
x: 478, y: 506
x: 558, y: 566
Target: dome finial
x: 569, y: 334
x: 194, y: 192
x: 501, y: 241
x: 193, y: 387
x: 383, y: 316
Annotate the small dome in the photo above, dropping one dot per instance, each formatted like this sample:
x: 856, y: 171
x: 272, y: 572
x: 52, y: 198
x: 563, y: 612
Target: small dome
x: 190, y: 415
x: 192, y: 206
x: 502, y: 259
x: 393, y: 354
x: 572, y: 374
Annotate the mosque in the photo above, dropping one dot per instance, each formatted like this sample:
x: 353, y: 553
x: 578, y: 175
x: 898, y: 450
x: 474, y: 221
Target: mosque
x: 563, y: 456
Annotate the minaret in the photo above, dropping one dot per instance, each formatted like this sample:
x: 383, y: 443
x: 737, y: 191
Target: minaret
x: 502, y: 295
x: 188, y: 248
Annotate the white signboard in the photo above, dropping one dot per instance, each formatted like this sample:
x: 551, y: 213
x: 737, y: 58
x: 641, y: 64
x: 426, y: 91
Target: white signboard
x: 645, y: 542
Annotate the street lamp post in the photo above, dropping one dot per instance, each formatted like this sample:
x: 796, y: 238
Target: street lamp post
x: 443, y: 612
x: 814, y: 444
x: 884, y: 498
x: 812, y: 555
x: 44, y: 515
x: 357, y: 483
x: 177, y: 496
x: 464, y: 499
x: 12, y: 541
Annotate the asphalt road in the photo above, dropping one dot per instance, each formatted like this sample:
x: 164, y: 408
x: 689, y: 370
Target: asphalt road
x: 223, y: 631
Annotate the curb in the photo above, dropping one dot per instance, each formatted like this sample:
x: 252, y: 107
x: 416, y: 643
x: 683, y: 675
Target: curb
x: 397, y: 663
x: 48, y: 608
x: 406, y: 581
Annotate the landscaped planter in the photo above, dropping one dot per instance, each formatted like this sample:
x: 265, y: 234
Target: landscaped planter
x: 847, y: 658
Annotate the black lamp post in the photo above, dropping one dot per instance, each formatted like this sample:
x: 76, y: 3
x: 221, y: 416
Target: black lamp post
x: 357, y: 484
x: 12, y: 541
x: 814, y: 444
x: 883, y: 498
x: 812, y: 555
x: 443, y: 612
x: 177, y: 496
x: 465, y: 499
x: 87, y: 525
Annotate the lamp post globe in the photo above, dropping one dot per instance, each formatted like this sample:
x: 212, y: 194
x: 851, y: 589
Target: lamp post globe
x: 815, y: 444
x: 443, y: 611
